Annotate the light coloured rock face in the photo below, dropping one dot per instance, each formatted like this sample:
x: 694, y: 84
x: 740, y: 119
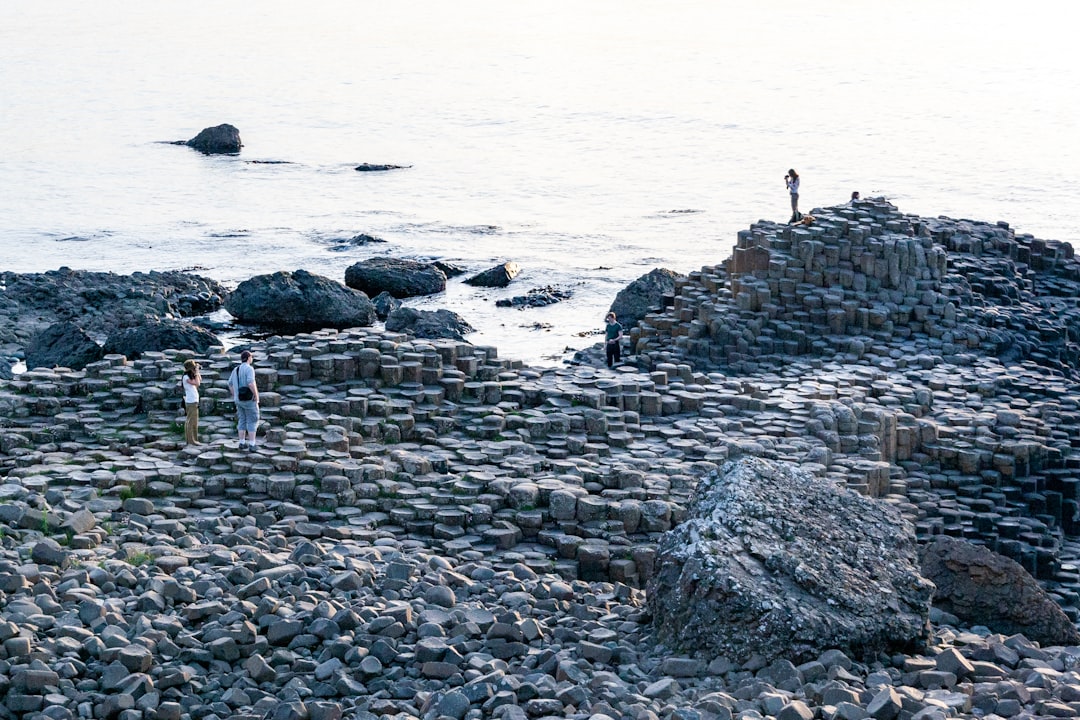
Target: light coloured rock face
x: 775, y: 562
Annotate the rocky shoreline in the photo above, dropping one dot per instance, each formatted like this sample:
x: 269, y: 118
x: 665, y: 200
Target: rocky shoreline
x: 430, y: 530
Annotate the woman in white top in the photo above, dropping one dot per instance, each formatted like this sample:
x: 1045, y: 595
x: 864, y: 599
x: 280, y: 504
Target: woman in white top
x: 792, y: 182
x: 191, y: 381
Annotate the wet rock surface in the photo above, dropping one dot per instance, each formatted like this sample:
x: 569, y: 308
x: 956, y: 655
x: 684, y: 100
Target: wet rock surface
x: 429, y: 530
x: 379, y: 167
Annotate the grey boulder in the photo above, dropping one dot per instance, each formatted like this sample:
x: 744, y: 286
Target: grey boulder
x: 769, y: 561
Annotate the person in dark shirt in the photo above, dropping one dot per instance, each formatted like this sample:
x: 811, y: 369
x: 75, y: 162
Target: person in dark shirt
x: 613, y: 346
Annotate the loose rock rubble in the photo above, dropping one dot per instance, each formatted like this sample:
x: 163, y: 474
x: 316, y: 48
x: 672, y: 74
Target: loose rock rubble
x: 428, y: 530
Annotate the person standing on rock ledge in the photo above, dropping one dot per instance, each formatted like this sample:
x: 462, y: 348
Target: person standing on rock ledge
x: 190, y: 381
x: 246, y: 396
x: 613, y: 334
x: 792, y: 182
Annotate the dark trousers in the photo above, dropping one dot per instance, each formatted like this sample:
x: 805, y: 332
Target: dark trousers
x: 614, y: 352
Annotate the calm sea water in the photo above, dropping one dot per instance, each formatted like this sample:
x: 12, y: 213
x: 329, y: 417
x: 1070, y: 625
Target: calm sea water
x: 589, y: 142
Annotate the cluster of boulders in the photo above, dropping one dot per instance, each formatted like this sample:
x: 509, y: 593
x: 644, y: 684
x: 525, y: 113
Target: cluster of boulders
x: 428, y: 530
x: 62, y: 317
x: 71, y: 318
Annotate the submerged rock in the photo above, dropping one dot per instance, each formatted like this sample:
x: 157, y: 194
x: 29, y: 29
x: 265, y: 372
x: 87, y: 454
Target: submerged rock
x: 376, y: 167
x: 982, y: 587
x: 770, y: 562
x: 299, y: 301
x: 536, y: 297
x: 222, y: 139
x: 449, y: 269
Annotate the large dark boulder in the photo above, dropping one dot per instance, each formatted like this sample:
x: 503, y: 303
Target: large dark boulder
x: 777, y: 562
x: 156, y: 335
x: 644, y: 295
x: 220, y: 140
x: 496, y: 277
x: 62, y: 344
x: 428, y: 323
x: 299, y: 301
x: 982, y: 587
x: 401, y: 278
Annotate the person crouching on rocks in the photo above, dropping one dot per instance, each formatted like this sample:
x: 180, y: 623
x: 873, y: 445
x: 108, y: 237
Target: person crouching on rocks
x: 191, y: 380
x: 246, y: 396
x: 613, y: 346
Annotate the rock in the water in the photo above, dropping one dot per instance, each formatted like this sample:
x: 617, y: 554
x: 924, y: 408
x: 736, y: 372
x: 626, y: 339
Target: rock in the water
x: 449, y: 269
x: 62, y: 344
x: 772, y: 561
x: 222, y: 139
x: 982, y: 587
x: 385, y: 303
x: 399, y: 277
x: 643, y: 296
x: 498, y: 276
x: 428, y: 323
x: 536, y: 297
x: 365, y: 239
x: 376, y: 167
x: 157, y: 335
x: 299, y: 301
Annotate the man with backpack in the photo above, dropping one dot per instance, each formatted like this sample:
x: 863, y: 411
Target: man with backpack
x: 246, y: 396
